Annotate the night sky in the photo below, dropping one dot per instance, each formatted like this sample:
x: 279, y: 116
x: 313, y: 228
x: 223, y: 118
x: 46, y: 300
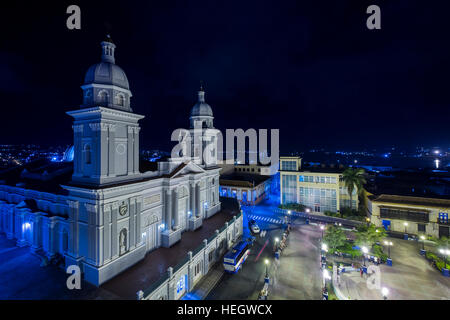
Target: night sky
x: 309, y: 68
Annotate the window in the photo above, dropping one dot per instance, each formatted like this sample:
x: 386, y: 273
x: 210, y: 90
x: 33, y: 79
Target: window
x: 288, y: 165
x: 210, y: 255
x: 421, y: 227
x: 443, y: 217
x: 404, y: 214
x: 221, y: 244
x: 120, y: 100
x: 197, y: 269
x: 301, y: 178
x: 103, y: 97
x: 289, y: 188
x: 87, y: 154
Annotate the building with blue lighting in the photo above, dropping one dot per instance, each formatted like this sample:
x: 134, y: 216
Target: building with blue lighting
x: 319, y: 188
x: 102, y: 208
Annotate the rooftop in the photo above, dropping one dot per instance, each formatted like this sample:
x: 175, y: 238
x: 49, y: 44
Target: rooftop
x: 237, y: 179
x: 410, y: 183
x: 429, y: 202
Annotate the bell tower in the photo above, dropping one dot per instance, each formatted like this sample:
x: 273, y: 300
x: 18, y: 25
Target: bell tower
x: 106, y: 132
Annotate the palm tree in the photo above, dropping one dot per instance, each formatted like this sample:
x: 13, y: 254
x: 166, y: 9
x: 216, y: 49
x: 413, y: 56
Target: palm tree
x: 354, y: 178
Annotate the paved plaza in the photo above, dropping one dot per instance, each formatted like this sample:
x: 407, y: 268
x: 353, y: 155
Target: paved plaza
x: 298, y: 276
x: 410, y: 278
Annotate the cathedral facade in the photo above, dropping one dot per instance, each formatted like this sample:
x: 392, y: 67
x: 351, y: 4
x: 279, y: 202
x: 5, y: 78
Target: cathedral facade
x: 104, y: 210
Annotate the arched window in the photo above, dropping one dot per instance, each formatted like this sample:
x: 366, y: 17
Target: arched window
x: 103, y: 97
x: 87, y: 154
x: 120, y: 100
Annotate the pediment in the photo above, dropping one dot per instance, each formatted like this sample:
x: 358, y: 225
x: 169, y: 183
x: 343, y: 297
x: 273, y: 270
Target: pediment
x: 186, y: 168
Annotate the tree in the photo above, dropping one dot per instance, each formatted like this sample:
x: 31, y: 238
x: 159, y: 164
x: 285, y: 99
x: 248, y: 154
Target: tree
x: 368, y: 236
x: 354, y: 179
x: 443, y: 242
x: 334, y: 237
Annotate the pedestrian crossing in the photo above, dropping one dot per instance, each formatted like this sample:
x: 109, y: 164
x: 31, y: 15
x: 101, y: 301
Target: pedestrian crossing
x: 265, y: 219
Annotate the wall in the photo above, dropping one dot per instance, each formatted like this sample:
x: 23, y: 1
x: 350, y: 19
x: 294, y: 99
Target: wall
x: 181, y: 278
x: 397, y: 225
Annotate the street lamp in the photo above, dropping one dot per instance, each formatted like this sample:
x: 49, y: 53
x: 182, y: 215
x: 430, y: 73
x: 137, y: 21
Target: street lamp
x: 368, y: 221
x: 406, y: 227
x: 266, y: 262
x: 365, y: 251
x: 422, y: 237
x: 385, y: 292
x: 388, y: 244
x: 276, y: 243
x: 324, y: 247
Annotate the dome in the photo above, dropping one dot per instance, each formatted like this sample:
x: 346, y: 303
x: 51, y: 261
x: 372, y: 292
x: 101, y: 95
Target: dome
x: 107, y: 73
x: 201, y: 108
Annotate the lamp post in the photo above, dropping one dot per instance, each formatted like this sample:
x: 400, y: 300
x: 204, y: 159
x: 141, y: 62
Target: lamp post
x: 405, y: 236
x: 266, y: 262
x: 276, y: 244
x: 422, y: 237
x: 385, y: 292
x: 323, y: 259
x: 368, y: 222
x: 365, y: 251
x: 322, y: 227
x: 388, y: 244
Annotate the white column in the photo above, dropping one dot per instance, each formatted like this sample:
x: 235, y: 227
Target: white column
x: 175, y: 210
x: 197, y: 200
x: 168, y: 210
x: 192, y: 198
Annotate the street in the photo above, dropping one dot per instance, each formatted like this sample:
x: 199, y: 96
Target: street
x: 297, y: 276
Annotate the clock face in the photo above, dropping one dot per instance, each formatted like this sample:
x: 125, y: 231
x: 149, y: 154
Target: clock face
x: 123, y: 209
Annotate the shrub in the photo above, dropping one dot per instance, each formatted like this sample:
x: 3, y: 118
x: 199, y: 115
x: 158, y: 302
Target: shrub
x: 292, y: 206
x: 439, y: 263
x: 331, y: 214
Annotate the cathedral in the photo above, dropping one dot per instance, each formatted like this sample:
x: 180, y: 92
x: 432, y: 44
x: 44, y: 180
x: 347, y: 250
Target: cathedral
x: 103, y: 208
